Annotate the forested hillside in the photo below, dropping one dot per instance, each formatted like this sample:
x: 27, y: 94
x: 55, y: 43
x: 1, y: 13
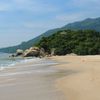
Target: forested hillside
x: 81, y: 42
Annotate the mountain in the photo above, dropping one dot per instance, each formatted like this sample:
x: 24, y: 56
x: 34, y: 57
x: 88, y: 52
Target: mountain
x: 28, y: 44
x: 89, y: 23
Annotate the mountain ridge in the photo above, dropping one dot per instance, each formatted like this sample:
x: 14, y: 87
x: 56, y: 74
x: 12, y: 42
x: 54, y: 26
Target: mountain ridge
x: 87, y: 24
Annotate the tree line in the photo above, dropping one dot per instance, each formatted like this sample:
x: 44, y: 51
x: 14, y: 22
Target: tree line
x: 80, y: 42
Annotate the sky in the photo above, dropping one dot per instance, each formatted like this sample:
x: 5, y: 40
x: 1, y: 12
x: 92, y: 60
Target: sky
x: 22, y: 20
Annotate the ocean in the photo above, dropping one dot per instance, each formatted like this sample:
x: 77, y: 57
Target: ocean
x: 10, y: 62
x: 6, y: 61
x: 28, y: 78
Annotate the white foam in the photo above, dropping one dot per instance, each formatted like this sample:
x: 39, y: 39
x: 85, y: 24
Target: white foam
x: 2, y: 68
x: 38, y: 66
x: 12, y: 64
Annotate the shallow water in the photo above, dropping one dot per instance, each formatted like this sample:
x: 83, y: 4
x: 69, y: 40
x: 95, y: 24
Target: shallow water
x: 32, y: 79
x: 6, y: 61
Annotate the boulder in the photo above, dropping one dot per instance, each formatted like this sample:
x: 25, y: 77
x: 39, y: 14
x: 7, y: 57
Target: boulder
x: 53, y: 51
x: 42, y: 52
x: 32, y: 52
x: 19, y: 52
x: 34, y: 48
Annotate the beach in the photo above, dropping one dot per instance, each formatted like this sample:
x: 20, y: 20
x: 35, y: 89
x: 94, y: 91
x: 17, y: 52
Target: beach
x: 32, y: 80
x: 67, y: 77
x: 83, y: 80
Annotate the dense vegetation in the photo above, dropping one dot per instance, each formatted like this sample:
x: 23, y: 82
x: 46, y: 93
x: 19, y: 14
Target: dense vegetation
x: 82, y: 42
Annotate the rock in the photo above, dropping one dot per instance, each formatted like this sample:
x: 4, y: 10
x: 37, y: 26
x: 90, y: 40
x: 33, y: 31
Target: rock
x: 19, y: 52
x: 42, y: 52
x: 53, y: 51
x: 71, y: 54
x: 13, y: 55
x: 34, y: 48
x: 32, y: 52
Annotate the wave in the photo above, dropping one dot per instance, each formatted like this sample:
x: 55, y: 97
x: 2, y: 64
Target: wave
x: 36, y: 62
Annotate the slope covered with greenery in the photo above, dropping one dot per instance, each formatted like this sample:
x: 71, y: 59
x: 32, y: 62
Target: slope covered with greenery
x: 82, y: 42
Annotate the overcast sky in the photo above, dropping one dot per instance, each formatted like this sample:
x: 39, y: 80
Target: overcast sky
x: 21, y: 20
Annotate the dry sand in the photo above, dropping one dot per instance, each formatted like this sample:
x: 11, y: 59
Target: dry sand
x: 83, y: 80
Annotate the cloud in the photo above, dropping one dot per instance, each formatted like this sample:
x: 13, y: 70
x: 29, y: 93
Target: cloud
x: 73, y: 17
x: 39, y: 25
x: 21, y: 1
x: 33, y: 25
x: 35, y: 6
x: 4, y: 7
x: 32, y: 17
x: 79, y: 10
x: 69, y: 17
x: 84, y: 4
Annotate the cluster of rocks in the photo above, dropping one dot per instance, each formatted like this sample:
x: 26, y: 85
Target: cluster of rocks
x: 31, y: 52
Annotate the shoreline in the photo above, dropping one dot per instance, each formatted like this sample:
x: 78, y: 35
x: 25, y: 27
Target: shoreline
x: 60, y: 77
x: 30, y: 81
x: 83, y: 83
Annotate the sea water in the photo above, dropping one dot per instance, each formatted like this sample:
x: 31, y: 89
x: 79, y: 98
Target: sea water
x: 6, y: 61
x: 28, y: 78
x: 9, y: 62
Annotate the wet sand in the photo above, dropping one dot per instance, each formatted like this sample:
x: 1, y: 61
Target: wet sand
x: 84, y: 81
x: 29, y: 82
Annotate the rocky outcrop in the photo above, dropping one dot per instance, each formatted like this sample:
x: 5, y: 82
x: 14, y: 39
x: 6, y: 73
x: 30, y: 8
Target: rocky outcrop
x: 19, y: 52
x: 42, y: 52
x: 32, y: 52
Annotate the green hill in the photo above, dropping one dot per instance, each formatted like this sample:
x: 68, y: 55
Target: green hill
x: 93, y: 24
x: 81, y: 42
